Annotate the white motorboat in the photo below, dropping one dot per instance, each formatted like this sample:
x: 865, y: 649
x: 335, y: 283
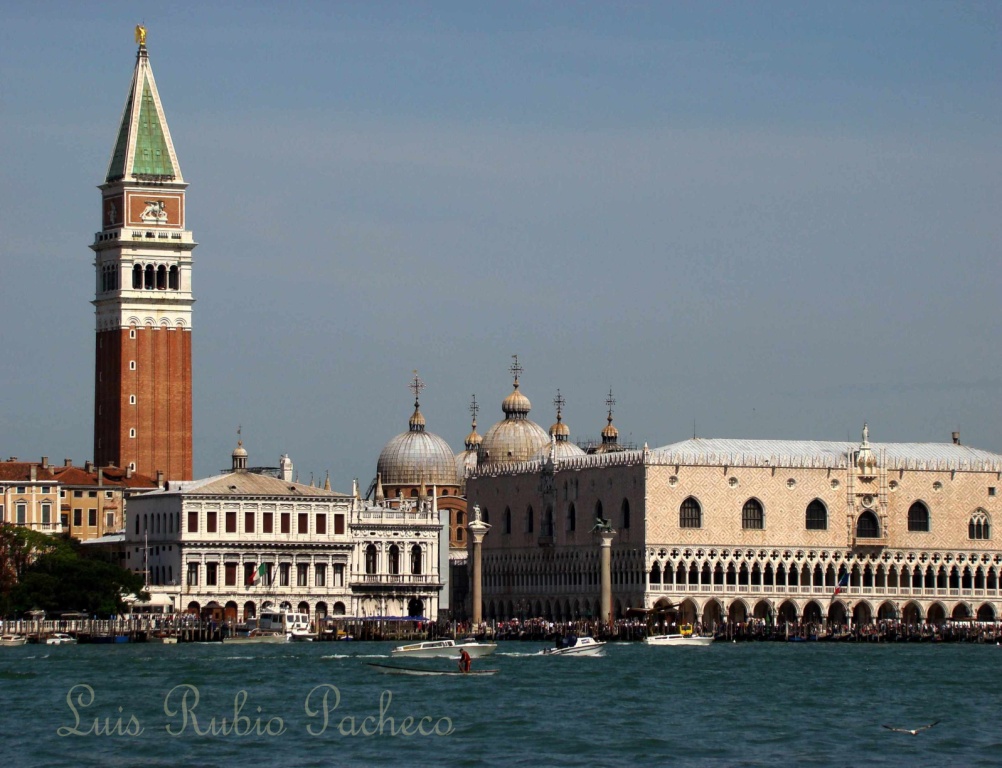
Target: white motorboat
x: 678, y: 640
x: 12, y: 640
x: 295, y: 626
x: 60, y: 638
x: 444, y: 649
x: 256, y: 636
x: 572, y: 645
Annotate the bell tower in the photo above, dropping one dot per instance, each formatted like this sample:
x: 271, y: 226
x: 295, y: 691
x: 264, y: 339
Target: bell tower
x: 143, y: 299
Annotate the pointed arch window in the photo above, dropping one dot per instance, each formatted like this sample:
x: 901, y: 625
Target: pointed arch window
x: 817, y: 516
x: 690, y: 514
x: 867, y: 526
x: 918, y: 517
x: 506, y: 527
x: 752, y: 516
x: 572, y: 515
x: 625, y: 523
x: 529, y: 519
x: 979, y: 526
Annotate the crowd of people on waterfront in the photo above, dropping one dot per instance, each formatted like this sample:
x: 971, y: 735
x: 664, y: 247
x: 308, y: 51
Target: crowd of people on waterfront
x: 627, y: 630
x: 191, y: 626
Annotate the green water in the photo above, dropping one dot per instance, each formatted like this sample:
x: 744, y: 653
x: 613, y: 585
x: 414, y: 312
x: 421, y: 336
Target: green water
x: 729, y: 704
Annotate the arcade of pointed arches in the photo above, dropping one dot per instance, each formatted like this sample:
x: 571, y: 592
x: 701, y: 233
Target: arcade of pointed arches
x: 713, y: 611
x: 918, y: 585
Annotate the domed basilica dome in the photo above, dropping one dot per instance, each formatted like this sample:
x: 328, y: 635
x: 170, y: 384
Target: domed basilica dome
x: 516, y: 438
x: 416, y: 456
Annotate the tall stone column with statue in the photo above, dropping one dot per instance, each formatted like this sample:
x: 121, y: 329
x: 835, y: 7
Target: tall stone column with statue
x: 605, y: 533
x: 477, y: 529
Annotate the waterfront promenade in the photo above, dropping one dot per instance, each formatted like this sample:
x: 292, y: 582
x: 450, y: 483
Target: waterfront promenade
x: 184, y: 628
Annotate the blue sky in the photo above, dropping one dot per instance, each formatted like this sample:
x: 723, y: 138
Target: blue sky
x: 771, y: 220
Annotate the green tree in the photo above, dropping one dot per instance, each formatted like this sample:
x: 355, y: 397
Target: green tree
x: 55, y: 573
x: 20, y: 547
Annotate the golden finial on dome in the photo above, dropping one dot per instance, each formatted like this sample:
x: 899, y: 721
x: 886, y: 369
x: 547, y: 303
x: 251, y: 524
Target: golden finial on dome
x: 559, y: 431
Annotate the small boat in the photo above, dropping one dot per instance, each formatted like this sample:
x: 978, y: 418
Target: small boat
x: 257, y: 636
x: 389, y: 669
x: 60, y: 638
x: 12, y: 640
x: 572, y: 645
x: 300, y: 636
x: 678, y: 640
x: 444, y: 649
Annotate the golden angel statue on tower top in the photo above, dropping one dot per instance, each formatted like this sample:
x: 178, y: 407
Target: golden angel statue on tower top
x: 140, y: 34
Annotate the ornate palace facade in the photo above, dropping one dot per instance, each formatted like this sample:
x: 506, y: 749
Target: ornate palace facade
x: 717, y: 530
x: 231, y: 545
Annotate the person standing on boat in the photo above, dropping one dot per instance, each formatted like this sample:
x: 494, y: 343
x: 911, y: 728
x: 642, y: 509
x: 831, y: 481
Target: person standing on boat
x: 464, y: 661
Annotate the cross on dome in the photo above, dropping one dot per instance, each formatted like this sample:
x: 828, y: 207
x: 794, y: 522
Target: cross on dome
x: 516, y: 370
x: 416, y: 386
x: 559, y: 402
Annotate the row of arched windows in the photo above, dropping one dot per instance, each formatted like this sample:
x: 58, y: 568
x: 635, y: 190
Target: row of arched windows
x: 868, y: 576
x: 392, y: 560
x: 690, y: 515
x: 156, y: 278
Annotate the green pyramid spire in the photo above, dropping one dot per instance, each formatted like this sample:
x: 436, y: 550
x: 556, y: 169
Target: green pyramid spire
x: 143, y: 150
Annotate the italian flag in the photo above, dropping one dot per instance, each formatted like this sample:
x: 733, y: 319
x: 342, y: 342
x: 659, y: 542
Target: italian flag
x: 260, y: 575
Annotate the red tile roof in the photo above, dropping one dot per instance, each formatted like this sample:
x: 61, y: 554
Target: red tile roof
x: 112, y: 476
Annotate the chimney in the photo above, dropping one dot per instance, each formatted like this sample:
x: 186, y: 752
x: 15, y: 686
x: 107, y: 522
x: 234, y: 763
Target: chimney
x: 45, y: 462
x: 956, y: 438
x: 34, y: 472
x: 88, y: 467
x: 67, y: 462
x: 160, y: 478
x: 100, y: 476
x: 128, y: 472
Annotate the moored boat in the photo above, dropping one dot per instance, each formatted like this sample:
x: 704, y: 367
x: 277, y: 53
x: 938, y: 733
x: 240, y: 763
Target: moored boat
x: 60, y: 638
x: 12, y: 640
x: 444, y: 649
x: 697, y: 640
x: 572, y: 645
